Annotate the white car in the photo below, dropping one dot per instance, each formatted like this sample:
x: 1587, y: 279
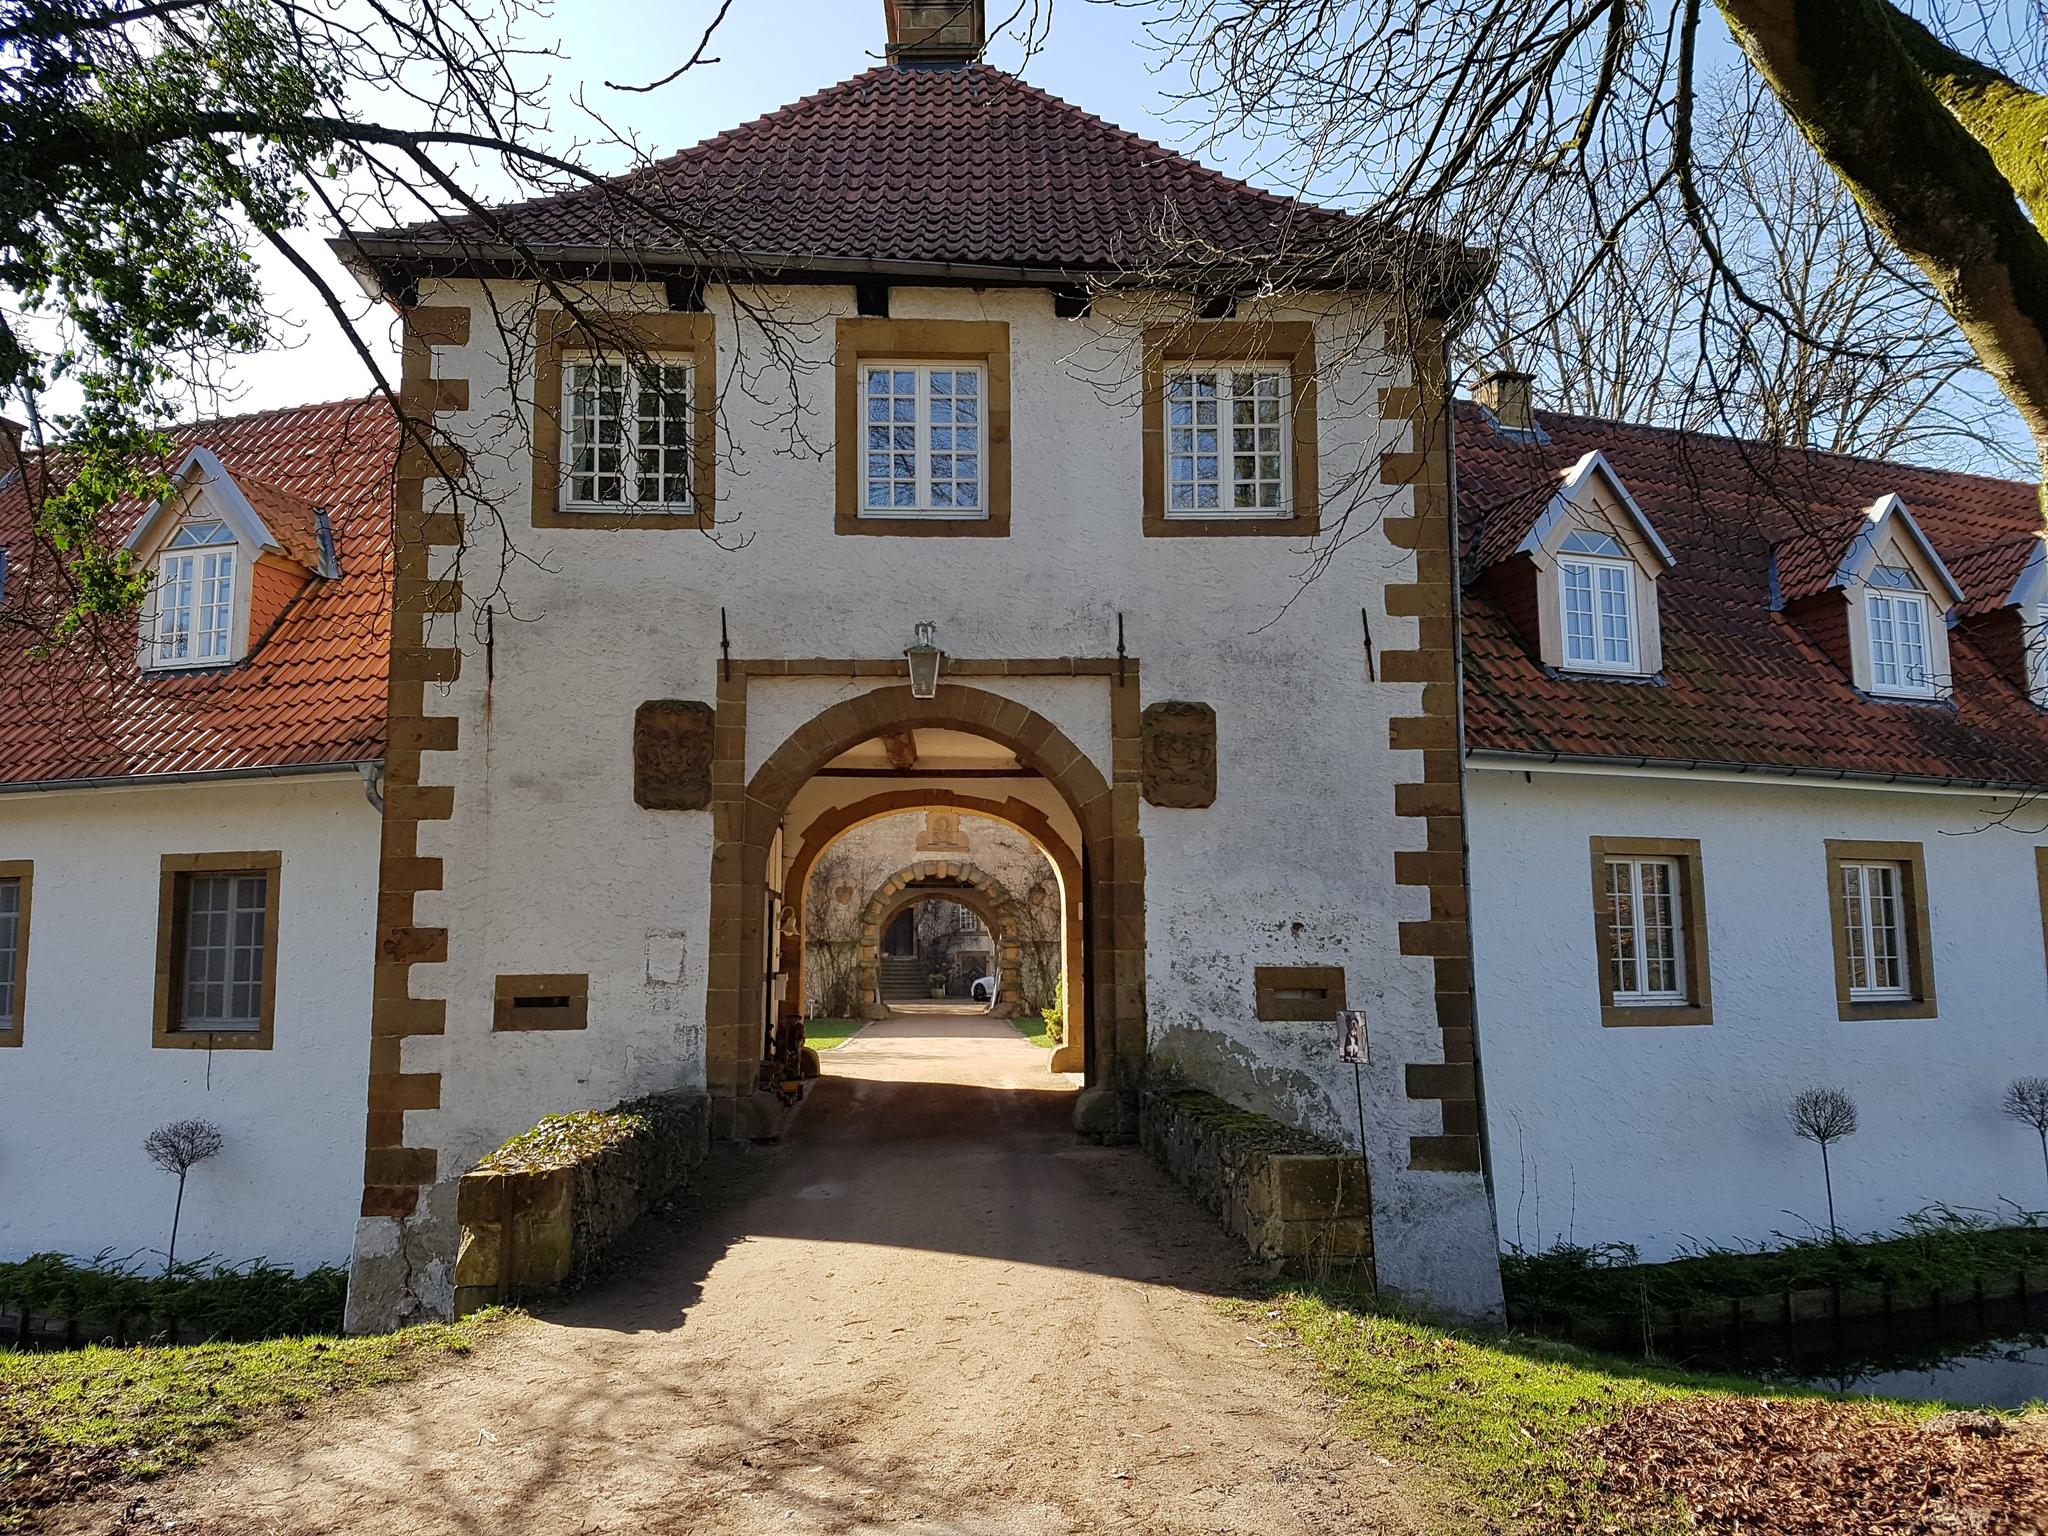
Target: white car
x: 983, y: 990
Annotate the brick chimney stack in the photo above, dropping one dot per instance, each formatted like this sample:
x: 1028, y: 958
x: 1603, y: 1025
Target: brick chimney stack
x: 945, y: 32
x: 1510, y: 397
x: 11, y: 433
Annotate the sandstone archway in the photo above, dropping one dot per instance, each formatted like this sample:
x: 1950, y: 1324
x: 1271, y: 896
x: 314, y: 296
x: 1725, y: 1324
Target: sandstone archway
x: 830, y: 826
x: 978, y: 891
x: 747, y: 814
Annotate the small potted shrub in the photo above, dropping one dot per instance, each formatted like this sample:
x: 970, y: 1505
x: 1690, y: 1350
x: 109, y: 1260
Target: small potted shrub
x: 937, y: 980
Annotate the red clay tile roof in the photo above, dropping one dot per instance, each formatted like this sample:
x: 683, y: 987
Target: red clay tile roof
x: 907, y: 165
x: 1741, y: 684
x: 311, y: 693
x: 1987, y: 574
x: 293, y: 520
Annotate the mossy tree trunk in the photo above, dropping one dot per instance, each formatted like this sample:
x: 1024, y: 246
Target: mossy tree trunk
x: 1945, y: 154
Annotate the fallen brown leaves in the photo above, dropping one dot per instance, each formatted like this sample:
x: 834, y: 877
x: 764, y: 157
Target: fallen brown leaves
x: 1748, y: 1467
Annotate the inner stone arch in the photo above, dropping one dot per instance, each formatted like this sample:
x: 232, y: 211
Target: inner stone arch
x: 973, y: 888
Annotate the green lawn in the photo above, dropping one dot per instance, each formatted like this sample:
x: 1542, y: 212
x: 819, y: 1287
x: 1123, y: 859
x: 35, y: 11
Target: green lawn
x: 74, y: 1421
x: 824, y: 1034
x: 1495, y: 1420
x: 1036, y: 1032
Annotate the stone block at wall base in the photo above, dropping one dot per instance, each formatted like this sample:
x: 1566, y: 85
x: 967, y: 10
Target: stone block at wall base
x: 403, y: 1269
x: 1105, y: 1115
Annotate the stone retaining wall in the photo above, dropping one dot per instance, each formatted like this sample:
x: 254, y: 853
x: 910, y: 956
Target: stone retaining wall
x: 1289, y: 1197
x: 533, y: 1230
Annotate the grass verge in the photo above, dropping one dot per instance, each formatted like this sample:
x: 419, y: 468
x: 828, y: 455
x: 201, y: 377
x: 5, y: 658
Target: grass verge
x: 1513, y: 1430
x: 74, y: 1422
x: 825, y: 1034
x: 1037, y: 1031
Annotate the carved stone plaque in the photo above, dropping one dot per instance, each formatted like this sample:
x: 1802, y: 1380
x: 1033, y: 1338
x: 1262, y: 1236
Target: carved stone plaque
x: 1180, y: 755
x: 942, y: 833
x: 672, y: 755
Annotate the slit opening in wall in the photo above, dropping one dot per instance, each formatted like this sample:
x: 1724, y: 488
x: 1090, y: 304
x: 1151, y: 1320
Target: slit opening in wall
x: 1299, y: 994
x: 541, y: 1002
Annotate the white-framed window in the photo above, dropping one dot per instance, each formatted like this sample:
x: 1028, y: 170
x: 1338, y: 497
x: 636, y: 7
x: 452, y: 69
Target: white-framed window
x: 1874, y: 931
x: 1229, y: 441
x: 224, y: 945
x: 629, y: 434
x: 925, y: 449
x: 191, y: 616
x: 1596, y: 583
x: 10, y: 952
x: 1897, y: 616
x: 1645, y: 932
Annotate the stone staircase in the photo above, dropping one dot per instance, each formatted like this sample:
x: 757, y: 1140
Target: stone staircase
x: 901, y: 977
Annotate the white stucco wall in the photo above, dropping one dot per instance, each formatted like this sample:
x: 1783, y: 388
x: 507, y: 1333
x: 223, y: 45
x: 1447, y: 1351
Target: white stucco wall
x: 551, y: 867
x: 1655, y: 1136
x: 86, y: 1086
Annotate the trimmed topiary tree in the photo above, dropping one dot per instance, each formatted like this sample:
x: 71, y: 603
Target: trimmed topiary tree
x: 1824, y: 1116
x: 2027, y: 1102
x: 178, y: 1148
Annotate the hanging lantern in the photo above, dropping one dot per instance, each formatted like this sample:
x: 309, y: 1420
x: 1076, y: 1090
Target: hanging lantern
x: 924, y: 662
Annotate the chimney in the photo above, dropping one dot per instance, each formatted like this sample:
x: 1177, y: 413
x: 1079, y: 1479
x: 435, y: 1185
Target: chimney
x: 942, y: 32
x: 11, y: 434
x: 1509, y: 397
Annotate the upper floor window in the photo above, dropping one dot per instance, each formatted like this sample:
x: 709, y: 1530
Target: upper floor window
x: 630, y: 429
x: 192, y: 615
x: 1596, y: 590
x: 1227, y: 436
x: 924, y: 440
x: 1896, y: 610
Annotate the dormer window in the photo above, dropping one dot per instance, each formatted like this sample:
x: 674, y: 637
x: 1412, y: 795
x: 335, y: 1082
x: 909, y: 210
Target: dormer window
x: 1596, y: 586
x: 1581, y: 576
x: 225, y: 561
x: 193, y: 619
x: 1897, y: 612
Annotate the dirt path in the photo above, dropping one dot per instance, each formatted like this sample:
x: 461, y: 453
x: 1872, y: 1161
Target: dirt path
x: 932, y: 1310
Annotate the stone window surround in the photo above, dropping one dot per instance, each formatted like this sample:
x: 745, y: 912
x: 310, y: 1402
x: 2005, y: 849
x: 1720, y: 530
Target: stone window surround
x: 24, y: 870
x: 1912, y: 860
x: 1698, y: 1007
x: 985, y: 343
x: 507, y: 1016
x: 679, y: 336
x: 170, y: 940
x: 1292, y: 342
x: 1321, y: 986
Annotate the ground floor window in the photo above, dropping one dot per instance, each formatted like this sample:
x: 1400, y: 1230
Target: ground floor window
x: 15, y: 876
x: 217, y: 949
x: 1878, y: 910
x: 1650, y: 923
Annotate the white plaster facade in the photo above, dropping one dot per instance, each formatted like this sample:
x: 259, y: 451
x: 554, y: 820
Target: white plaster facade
x: 550, y: 866
x: 1660, y: 1136
x: 86, y: 1085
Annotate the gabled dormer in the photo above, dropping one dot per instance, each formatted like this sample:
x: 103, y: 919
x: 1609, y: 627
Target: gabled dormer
x: 1581, y: 582
x: 225, y: 558
x: 1876, y: 597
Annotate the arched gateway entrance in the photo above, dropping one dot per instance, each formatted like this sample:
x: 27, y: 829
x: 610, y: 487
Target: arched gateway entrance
x: 954, y: 880
x: 748, y: 818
